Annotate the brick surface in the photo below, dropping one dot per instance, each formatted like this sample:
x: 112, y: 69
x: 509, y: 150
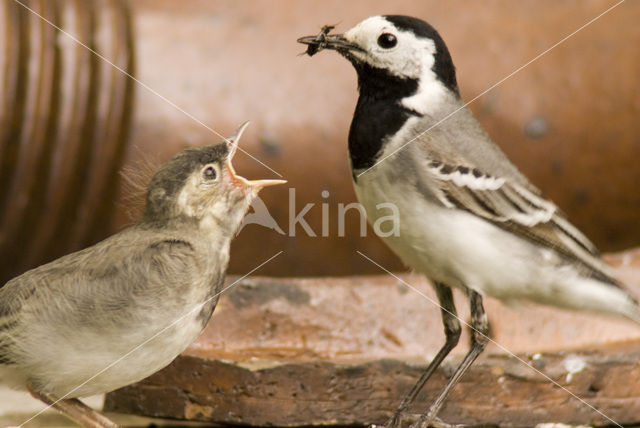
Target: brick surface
x: 295, y: 352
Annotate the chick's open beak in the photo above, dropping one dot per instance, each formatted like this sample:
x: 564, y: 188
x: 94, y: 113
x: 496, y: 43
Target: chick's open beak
x: 236, y: 179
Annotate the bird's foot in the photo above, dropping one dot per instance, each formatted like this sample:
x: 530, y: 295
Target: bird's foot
x: 433, y: 422
x: 412, y: 420
x: 393, y: 422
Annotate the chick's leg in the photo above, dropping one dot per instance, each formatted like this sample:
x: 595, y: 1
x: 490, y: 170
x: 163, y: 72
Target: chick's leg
x: 74, y: 409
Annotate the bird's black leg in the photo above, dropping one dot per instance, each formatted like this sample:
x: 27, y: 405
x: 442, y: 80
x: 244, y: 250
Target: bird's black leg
x: 75, y: 409
x: 452, y: 334
x: 479, y: 339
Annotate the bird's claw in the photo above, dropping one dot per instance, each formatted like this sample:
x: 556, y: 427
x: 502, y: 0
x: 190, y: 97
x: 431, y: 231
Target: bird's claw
x: 398, y: 421
x: 415, y: 421
x: 434, y: 423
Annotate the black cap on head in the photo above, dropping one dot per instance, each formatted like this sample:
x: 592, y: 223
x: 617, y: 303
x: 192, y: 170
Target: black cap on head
x: 443, y: 66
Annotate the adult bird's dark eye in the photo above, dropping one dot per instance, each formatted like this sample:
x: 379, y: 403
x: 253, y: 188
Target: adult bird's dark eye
x: 387, y: 40
x: 210, y: 173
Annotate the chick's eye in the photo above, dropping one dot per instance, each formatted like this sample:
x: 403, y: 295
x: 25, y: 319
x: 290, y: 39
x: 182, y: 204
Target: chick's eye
x: 387, y: 40
x: 210, y: 173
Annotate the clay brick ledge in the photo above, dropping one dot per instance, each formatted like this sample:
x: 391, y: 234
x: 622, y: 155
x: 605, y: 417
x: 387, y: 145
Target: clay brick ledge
x: 343, y: 351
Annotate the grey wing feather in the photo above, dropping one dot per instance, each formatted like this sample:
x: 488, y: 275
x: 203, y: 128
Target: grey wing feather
x: 11, y: 301
x: 483, y: 181
x: 85, y: 287
x: 522, y: 211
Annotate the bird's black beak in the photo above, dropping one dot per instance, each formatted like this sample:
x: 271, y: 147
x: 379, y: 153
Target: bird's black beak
x: 322, y: 41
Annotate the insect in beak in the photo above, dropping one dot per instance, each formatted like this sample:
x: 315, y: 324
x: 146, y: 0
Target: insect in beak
x: 324, y: 40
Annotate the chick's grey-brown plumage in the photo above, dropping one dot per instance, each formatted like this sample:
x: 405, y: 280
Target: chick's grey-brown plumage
x: 116, y: 312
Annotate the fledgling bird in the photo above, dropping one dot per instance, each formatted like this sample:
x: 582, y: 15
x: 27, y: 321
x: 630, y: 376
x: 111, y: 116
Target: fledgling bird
x: 467, y: 217
x: 114, y: 313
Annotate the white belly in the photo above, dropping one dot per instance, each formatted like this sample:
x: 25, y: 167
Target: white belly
x: 461, y: 250
x: 454, y: 247
x: 430, y: 238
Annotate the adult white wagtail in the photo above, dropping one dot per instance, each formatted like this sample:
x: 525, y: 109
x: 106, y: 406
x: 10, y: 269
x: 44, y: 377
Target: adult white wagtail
x: 114, y: 313
x: 468, y: 217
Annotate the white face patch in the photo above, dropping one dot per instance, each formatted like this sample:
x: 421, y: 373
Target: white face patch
x: 412, y: 57
x: 407, y: 59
